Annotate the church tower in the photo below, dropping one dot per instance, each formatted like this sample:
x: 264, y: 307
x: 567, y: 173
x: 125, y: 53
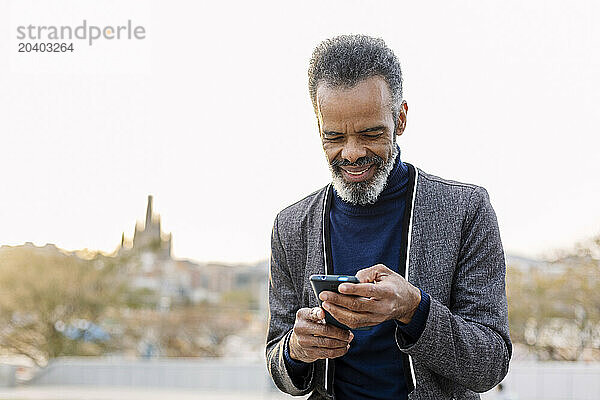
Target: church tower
x: 149, y: 237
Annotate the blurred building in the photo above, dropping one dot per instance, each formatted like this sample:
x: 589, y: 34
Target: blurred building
x: 149, y: 265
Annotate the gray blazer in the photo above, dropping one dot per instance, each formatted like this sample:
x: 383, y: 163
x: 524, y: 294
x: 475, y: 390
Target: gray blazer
x: 453, y: 252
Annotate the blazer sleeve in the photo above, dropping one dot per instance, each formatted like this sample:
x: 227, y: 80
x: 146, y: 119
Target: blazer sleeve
x: 283, y: 305
x: 468, y: 342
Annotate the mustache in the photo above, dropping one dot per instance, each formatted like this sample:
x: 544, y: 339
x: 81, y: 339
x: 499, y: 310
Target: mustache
x: 358, y: 163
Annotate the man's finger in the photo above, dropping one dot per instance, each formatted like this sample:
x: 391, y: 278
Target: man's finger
x: 314, y: 314
x: 333, y: 332
x: 372, y: 274
x: 320, y: 341
x: 354, y: 303
x: 348, y: 317
x: 359, y: 289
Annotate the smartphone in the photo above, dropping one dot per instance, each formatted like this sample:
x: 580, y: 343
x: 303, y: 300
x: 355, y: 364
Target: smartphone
x: 330, y: 283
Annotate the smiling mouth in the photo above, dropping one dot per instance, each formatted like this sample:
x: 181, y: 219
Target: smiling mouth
x: 357, y: 174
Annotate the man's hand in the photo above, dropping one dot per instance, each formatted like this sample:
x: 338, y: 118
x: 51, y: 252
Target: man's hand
x: 312, y: 339
x: 382, y: 295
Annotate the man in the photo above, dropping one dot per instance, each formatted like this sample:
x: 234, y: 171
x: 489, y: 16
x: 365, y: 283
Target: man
x: 427, y: 252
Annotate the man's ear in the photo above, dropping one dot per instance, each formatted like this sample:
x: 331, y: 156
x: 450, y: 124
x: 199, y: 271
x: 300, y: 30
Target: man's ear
x: 402, y: 112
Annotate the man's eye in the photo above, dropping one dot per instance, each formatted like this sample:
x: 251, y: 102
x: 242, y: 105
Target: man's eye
x: 374, y: 136
x: 332, y: 137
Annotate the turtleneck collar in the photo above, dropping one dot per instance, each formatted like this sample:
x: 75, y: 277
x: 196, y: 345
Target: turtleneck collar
x: 393, y: 192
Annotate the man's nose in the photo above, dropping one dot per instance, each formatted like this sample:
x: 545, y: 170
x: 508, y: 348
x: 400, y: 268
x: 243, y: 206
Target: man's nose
x: 353, y: 150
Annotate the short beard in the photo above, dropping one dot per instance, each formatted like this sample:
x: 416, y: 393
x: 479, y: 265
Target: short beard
x: 364, y: 192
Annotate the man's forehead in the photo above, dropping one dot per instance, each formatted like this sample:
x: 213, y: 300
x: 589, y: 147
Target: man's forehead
x: 368, y: 98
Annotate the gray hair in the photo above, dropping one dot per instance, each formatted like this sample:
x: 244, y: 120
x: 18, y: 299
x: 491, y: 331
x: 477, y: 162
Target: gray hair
x: 344, y: 61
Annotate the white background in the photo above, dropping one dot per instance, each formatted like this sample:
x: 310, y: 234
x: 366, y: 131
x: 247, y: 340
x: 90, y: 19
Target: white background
x: 210, y: 114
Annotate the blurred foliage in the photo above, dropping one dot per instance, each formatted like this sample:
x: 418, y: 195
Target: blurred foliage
x: 555, y: 310
x: 42, y: 289
x: 242, y: 299
x: 45, y: 294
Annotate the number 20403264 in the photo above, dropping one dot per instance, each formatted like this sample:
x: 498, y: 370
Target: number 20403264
x: 45, y: 47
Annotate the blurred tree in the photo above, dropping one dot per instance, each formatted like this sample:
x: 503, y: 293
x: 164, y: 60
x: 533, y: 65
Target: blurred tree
x: 54, y: 303
x: 579, y: 292
x: 49, y: 299
x: 555, y: 310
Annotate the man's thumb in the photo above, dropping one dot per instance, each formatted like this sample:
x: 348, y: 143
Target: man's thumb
x: 316, y: 314
x: 371, y: 274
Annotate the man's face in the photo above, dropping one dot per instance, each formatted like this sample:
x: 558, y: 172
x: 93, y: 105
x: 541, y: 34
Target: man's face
x: 358, y: 136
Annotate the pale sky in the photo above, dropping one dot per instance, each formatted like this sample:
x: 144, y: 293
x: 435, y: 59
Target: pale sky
x: 210, y: 114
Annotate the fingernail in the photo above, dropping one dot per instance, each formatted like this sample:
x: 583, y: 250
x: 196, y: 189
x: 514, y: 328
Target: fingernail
x: 351, y: 336
x: 326, y: 305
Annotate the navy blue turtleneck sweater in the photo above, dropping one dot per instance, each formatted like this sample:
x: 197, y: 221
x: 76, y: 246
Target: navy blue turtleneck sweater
x: 362, y: 236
